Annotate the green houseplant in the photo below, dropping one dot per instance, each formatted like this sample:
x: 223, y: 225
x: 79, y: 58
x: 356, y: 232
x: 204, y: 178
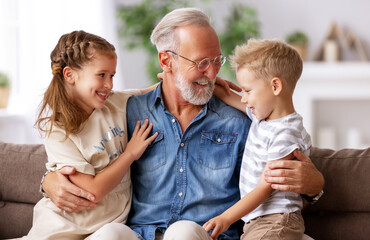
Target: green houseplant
x: 241, y: 25
x: 138, y: 21
x: 4, y: 90
x: 298, y: 40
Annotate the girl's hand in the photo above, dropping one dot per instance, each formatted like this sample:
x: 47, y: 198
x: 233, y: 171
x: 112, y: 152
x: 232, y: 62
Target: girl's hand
x: 140, y: 140
x: 218, y: 224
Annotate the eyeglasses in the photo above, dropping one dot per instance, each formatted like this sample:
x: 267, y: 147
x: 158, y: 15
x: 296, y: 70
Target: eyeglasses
x: 204, y: 63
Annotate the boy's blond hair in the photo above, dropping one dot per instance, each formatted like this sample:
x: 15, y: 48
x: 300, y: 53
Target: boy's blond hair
x: 268, y: 59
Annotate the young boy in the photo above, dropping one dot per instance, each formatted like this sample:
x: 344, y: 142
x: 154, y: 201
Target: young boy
x: 267, y: 71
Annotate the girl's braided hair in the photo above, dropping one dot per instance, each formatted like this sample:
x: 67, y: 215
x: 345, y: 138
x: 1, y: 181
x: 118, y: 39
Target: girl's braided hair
x: 75, y: 50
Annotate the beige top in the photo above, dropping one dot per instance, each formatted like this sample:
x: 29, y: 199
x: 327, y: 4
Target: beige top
x: 102, y: 140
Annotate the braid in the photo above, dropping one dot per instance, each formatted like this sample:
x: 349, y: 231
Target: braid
x: 74, y: 49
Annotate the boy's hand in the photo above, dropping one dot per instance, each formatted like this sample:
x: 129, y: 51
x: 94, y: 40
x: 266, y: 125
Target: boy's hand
x: 160, y: 76
x: 139, y: 140
x: 218, y: 224
x: 227, y: 85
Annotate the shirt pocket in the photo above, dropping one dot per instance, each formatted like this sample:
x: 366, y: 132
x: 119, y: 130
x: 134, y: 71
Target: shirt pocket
x: 216, y: 149
x: 154, y: 155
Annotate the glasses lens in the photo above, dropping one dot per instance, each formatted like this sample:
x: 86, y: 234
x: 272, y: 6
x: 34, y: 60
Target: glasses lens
x: 203, y: 65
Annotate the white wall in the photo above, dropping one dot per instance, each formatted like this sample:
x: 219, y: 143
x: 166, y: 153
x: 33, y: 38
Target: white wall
x: 30, y: 30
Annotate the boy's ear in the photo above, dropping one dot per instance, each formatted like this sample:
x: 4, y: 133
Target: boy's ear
x: 165, y: 61
x: 69, y: 75
x: 277, y: 85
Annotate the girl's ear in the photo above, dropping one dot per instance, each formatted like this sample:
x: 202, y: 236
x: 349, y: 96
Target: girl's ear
x: 69, y: 75
x: 277, y: 85
x: 165, y: 61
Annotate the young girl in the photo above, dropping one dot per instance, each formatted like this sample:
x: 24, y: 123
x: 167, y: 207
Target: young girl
x: 85, y: 125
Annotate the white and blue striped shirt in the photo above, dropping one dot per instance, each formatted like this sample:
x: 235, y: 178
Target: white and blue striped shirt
x: 269, y: 141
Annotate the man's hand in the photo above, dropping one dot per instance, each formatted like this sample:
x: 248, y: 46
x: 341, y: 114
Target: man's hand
x: 301, y: 176
x: 64, y: 194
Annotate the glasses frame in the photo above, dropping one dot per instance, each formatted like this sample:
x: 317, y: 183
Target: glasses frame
x: 222, y: 58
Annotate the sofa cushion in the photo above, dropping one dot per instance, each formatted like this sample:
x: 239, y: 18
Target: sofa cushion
x: 346, y: 178
x: 22, y: 167
x: 343, y: 212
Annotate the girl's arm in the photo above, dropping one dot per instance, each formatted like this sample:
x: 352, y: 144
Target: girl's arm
x: 105, y: 181
x: 244, y: 206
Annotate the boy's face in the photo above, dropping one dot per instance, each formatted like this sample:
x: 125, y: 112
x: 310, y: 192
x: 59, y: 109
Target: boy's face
x: 258, y: 94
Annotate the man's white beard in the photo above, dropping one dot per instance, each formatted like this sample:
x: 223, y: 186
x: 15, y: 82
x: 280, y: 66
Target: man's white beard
x: 190, y: 94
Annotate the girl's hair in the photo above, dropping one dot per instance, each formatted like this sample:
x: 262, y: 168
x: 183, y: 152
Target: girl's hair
x: 75, y: 49
x: 164, y: 34
x: 269, y: 58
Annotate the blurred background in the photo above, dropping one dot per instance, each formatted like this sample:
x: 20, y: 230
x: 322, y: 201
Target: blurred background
x: 333, y: 94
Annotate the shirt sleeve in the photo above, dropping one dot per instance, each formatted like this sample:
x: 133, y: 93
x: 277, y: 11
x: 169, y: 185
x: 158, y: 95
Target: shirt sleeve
x: 284, y: 142
x: 63, y: 153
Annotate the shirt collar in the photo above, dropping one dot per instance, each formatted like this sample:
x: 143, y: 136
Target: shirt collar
x: 158, y: 98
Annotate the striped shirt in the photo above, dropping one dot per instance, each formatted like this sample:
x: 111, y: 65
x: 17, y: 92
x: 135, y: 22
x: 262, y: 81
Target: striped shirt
x: 269, y: 141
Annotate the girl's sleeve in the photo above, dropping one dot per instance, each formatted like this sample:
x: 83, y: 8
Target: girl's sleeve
x: 63, y: 153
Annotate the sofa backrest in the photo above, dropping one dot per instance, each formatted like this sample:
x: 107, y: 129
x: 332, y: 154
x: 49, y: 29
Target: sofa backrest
x: 343, y: 212
x: 21, y: 169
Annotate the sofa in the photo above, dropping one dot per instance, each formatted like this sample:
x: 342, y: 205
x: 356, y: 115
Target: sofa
x: 343, y: 212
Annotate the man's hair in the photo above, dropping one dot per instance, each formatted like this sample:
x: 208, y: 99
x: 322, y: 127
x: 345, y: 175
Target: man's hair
x: 268, y: 59
x: 164, y: 34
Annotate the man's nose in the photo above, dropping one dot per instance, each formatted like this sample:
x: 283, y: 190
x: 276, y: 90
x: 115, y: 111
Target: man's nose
x: 211, y: 71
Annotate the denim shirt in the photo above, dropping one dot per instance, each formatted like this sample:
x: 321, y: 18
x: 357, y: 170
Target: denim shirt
x: 191, y: 175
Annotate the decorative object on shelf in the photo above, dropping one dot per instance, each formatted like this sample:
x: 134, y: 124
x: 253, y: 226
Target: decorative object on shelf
x: 4, y: 90
x: 340, y: 46
x: 241, y: 25
x: 331, y: 51
x: 299, y: 40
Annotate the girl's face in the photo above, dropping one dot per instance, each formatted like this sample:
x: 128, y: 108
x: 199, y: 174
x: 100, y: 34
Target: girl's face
x: 94, y: 82
x: 258, y: 94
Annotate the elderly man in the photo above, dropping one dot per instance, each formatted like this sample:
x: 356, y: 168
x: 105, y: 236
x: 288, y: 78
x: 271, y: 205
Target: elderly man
x: 190, y: 172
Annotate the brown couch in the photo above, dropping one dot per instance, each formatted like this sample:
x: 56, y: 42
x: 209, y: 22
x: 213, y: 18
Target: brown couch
x: 342, y: 213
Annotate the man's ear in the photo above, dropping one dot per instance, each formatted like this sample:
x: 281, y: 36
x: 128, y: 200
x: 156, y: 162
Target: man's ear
x: 69, y: 75
x: 165, y: 61
x: 277, y: 85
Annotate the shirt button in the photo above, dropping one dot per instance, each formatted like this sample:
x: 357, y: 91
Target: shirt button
x: 182, y: 144
x: 218, y: 140
x: 181, y: 170
x: 173, y: 120
x: 180, y: 194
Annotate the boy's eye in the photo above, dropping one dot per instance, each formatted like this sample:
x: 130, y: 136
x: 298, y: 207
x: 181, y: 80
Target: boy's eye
x: 112, y: 76
x: 101, y: 75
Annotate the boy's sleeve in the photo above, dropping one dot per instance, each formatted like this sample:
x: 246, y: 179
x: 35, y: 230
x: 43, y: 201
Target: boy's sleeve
x: 284, y: 142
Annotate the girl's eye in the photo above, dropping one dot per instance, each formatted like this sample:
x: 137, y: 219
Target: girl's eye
x: 112, y: 76
x: 101, y: 75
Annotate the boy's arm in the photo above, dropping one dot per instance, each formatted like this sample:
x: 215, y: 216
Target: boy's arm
x: 233, y: 99
x: 244, y: 206
x: 105, y: 181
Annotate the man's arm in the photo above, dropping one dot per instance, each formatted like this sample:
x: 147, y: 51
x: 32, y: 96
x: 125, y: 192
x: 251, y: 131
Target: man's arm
x: 301, y: 176
x: 64, y: 194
